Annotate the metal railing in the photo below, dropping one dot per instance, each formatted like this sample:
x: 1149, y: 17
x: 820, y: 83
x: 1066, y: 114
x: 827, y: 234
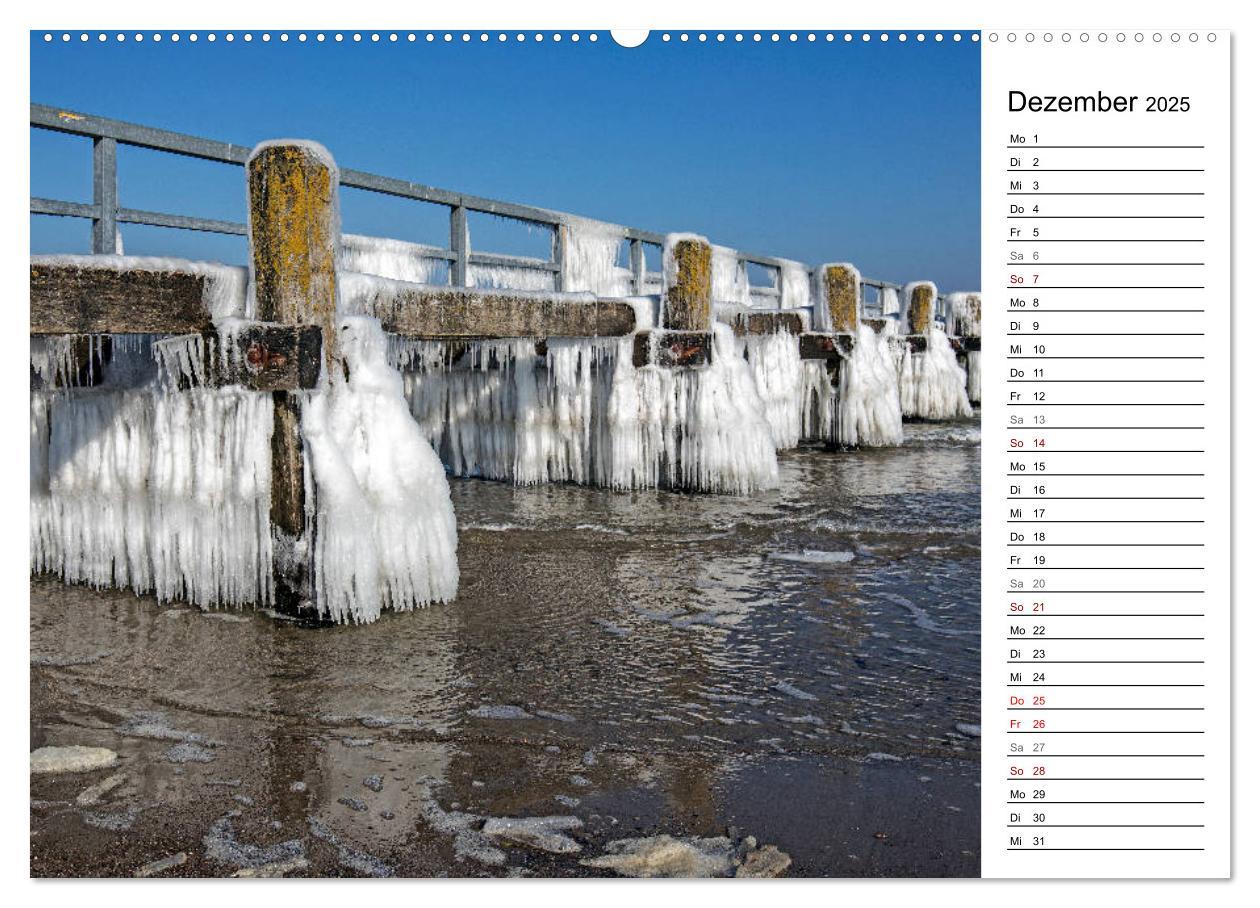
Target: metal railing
x: 106, y: 214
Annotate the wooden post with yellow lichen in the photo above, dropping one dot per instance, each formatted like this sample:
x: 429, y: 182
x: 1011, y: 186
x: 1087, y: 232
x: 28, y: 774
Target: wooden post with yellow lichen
x: 840, y: 287
x: 919, y: 315
x: 689, y: 284
x: 294, y: 233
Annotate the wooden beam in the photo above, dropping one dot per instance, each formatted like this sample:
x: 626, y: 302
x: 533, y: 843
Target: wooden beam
x: 672, y: 349
x: 442, y: 313
x: 830, y: 347
x: 264, y: 357
x: 73, y: 299
x: 744, y: 323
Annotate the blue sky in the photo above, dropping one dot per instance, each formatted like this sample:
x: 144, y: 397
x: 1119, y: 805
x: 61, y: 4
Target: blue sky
x: 814, y: 151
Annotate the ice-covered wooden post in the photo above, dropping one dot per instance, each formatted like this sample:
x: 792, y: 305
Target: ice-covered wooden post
x: 688, y: 283
x: 840, y: 295
x: 294, y: 232
x: 964, y: 321
x: 919, y: 308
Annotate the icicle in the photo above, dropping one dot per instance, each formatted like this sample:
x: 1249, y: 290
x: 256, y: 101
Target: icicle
x: 775, y: 361
x: 870, y: 410
x: 162, y: 493
x: 182, y: 360
x: 393, y: 259
x: 52, y: 360
x: 590, y: 259
x: 973, y: 376
x: 586, y: 414
x: 794, y: 285
x: 730, y: 281
x: 933, y: 385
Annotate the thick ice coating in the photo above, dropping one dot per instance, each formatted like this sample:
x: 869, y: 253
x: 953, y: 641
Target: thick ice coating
x: 163, y: 492
x: 933, y: 385
x: 586, y: 414
x: 870, y: 412
x: 590, y: 256
x: 385, y: 528
x: 775, y: 362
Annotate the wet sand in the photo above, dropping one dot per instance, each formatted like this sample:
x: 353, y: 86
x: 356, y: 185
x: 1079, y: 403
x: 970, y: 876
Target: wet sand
x: 801, y: 667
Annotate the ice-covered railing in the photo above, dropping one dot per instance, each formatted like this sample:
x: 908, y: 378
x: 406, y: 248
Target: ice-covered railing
x: 460, y: 263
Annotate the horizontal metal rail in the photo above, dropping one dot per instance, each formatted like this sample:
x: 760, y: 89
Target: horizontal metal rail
x: 105, y: 213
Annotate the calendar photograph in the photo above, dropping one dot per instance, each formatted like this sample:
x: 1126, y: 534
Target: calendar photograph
x: 560, y: 458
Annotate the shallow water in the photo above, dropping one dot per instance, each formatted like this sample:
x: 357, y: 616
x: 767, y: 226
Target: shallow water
x: 795, y: 665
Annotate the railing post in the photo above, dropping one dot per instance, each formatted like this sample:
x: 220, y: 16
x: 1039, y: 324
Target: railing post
x: 105, y: 196
x: 294, y: 233
x: 459, y: 245
x: 560, y: 252
x: 637, y: 267
x: 688, y: 284
x: 920, y: 308
x: 839, y: 296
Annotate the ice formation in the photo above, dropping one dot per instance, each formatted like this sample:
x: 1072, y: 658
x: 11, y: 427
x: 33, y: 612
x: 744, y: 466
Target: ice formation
x: 157, y: 491
x: 507, y: 277
x: 778, y: 373
x: 963, y: 317
x: 870, y: 407
x: 964, y: 321
x: 730, y: 281
x: 586, y: 414
x: 385, y: 527
x: 821, y: 304
x: 590, y: 259
x: 933, y: 385
x: 793, y: 285
x: 395, y: 259
x: 889, y: 301
x: 862, y: 405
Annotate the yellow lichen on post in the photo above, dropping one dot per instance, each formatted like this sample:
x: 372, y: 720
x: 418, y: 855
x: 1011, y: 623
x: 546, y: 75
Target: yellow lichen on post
x: 689, y: 296
x: 922, y: 300
x: 294, y: 234
x: 842, y: 290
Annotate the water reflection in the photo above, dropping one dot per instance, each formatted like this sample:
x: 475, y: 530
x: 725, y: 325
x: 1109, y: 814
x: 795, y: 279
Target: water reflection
x: 635, y: 660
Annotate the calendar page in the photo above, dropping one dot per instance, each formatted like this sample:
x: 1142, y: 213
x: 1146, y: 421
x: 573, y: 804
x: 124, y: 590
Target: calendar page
x: 541, y: 450
x: 1105, y: 607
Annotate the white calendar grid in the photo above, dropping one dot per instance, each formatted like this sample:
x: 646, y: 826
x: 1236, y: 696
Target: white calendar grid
x: 1106, y: 599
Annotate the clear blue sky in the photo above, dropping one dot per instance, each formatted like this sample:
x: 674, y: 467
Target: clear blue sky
x: 819, y: 152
